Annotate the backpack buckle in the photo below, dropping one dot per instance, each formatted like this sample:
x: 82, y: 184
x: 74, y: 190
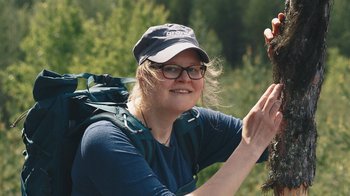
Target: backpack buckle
x: 129, y: 128
x: 195, y: 113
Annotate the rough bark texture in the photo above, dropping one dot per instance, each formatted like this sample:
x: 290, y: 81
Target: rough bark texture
x: 298, y: 59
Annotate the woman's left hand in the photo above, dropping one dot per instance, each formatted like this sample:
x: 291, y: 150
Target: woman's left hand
x: 262, y: 122
x: 259, y: 127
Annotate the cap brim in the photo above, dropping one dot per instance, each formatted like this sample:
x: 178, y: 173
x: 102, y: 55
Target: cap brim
x: 169, y: 52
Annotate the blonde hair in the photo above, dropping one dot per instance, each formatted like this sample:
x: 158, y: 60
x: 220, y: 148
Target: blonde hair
x: 146, y: 78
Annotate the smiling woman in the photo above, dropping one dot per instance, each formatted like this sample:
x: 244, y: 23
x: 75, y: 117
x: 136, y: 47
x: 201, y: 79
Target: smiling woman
x: 182, y: 91
x: 209, y: 71
x: 173, y: 74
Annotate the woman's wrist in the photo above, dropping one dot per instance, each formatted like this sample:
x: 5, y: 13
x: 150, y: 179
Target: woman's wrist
x: 252, y: 150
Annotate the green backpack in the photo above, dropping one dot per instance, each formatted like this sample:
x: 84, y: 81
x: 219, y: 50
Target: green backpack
x: 55, y: 124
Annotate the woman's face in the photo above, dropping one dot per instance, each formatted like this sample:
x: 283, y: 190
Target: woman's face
x: 179, y: 94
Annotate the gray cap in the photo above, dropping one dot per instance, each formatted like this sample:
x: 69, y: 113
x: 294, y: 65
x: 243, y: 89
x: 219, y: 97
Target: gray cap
x: 161, y: 43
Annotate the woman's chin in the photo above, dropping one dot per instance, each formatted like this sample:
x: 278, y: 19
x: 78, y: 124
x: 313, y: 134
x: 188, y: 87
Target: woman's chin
x: 181, y: 108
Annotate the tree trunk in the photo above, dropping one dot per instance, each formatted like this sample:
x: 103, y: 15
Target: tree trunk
x: 298, y: 58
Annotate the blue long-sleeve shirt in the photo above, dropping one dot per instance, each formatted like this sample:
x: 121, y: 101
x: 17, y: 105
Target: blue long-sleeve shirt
x: 107, y: 163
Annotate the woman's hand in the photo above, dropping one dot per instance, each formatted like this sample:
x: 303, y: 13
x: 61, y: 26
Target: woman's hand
x: 262, y: 122
x: 259, y: 127
x: 270, y: 34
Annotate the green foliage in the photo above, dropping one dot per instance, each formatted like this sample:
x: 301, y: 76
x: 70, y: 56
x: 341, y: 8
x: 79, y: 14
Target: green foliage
x: 333, y: 172
x: 225, y: 17
x: 62, y: 38
x: 93, y: 9
x: 256, y: 19
x: 244, y: 86
x: 16, y: 84
x: 54, y: 35
x: 206, y: 36
x: 180, y: 10
x: 12, y: 26
x: 106, y: 47
x: 10, y: 162
x: 15, y: 95
x: 339, y: 27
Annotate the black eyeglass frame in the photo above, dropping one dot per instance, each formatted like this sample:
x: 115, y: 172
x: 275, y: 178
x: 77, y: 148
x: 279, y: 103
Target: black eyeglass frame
x: 160, y: 66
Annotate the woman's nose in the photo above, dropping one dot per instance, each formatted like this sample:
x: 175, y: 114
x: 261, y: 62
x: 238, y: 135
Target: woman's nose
x: 184, y: 76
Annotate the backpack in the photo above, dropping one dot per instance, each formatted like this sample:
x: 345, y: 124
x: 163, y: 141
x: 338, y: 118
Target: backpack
x: 53, y: 128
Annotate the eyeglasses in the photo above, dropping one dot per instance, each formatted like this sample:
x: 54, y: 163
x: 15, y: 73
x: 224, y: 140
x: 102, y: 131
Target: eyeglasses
x: 173, y: 71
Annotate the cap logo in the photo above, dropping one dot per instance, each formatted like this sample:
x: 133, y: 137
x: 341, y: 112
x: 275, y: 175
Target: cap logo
x: 177, y: 34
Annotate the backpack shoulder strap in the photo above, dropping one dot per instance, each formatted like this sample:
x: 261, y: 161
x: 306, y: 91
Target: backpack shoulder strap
x: 189, y: 130
x: 139, y: 135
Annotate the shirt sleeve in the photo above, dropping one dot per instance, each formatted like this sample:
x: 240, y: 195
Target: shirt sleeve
x: 221, y: 135
x: 114, y: 165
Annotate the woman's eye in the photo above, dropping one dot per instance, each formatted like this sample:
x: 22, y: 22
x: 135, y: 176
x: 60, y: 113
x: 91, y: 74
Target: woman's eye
x: 170, y: 68
x: 193, y: 69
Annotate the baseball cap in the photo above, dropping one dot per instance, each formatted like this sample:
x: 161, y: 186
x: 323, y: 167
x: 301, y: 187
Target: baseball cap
x: 161, y: 43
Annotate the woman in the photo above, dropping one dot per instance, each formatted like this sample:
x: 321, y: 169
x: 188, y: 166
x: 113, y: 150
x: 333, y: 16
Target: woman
x: 172, y: 74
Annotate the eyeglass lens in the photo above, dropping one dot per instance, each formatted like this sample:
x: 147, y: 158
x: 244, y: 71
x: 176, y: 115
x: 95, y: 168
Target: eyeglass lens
x: 195, y: 72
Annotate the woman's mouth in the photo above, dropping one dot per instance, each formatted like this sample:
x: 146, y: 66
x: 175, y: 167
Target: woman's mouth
x: 181, y: 91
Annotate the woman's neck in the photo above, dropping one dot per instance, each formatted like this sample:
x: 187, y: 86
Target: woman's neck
x: 159, y: 121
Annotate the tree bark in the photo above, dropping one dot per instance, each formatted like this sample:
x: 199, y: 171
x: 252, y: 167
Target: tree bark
x: 298, y: 57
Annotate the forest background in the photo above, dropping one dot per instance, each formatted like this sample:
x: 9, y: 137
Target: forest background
x: 97, y: 36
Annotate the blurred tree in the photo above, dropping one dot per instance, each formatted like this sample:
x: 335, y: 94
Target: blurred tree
x: 336, y: 88
x: 339, y: 29
x: 94, y: 9
x: 225, y: 17
x: 206, y: 36
x: 62, y: 39
x: 16, y: 83
x: 14, y: 17
x: 107, y: 44
x: 13, y: 28
x: 24, y: 3
x: 238, y: 24
x: 256, y: 18
x: 54, y: 35
x: 180, y: 10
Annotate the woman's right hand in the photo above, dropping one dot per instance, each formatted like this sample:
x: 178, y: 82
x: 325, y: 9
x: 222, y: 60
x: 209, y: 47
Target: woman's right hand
x: 270, y: 34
